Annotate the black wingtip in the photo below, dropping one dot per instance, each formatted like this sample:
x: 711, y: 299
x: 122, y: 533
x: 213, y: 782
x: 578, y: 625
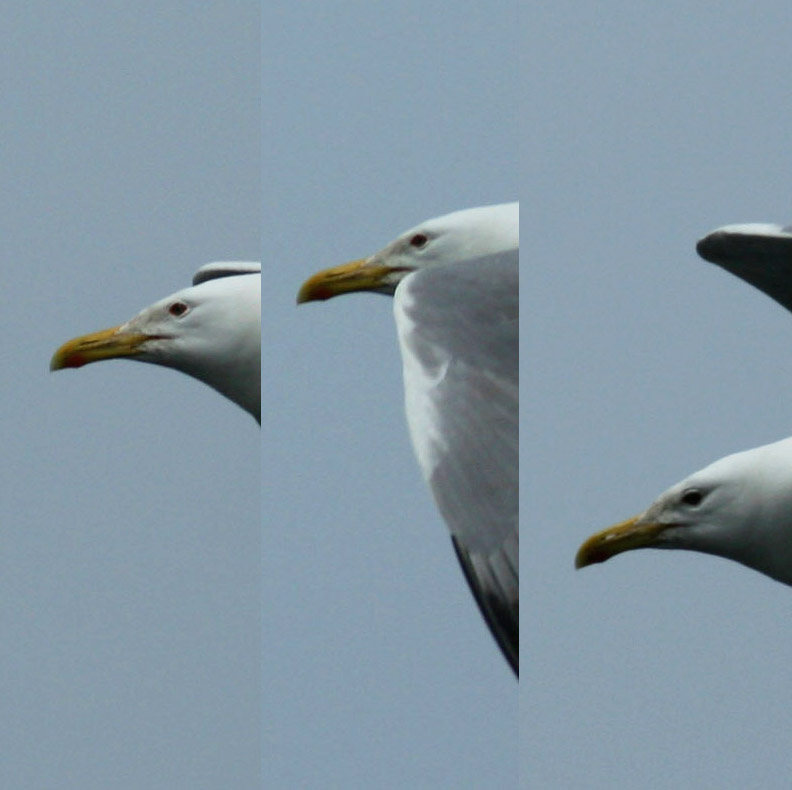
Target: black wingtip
x: 502, y: 618
x: 710, y: 248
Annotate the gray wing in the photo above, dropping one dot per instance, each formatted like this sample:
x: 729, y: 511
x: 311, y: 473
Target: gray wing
x: 760, y: 254
x: 214, y: 271
x: 458, y: 328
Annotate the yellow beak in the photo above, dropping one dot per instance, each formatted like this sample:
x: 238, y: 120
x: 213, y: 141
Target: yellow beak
x: 353, y: 276
x: 108, y: 344
x: 631, y: 534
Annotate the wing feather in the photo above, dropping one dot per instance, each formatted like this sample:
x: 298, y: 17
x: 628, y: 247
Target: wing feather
x: 214, y: 271
x: 760, y: 254
x: 458, y: 328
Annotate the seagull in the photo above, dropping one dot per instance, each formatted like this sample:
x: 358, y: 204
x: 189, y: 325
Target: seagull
x: 455, y: 283
x: 739, y: 507
x: 211, y: 331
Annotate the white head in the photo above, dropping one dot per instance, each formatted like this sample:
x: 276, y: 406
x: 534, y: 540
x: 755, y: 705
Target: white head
x: 453, y: 238
x: 211, y: 331
x: 739, y: 507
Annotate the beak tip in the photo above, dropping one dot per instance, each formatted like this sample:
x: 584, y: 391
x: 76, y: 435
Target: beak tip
x: 597, y: 549
x: 66, y: 357
x: 58, y: 362
x: 313, y: 290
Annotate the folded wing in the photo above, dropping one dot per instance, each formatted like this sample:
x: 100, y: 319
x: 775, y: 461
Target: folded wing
x: 458, y: 328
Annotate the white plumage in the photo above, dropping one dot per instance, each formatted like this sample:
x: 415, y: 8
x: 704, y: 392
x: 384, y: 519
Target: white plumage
x: 211, y: 331
x: 455, y: 280
x: 739, y: 507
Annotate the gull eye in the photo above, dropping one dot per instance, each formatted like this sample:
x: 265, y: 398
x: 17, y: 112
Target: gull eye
x: 419, y: 241
x: 177, y: 309
x: 692, y: 497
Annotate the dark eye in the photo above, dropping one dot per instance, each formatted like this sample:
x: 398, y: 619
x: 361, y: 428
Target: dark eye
x: 177, y: 309
x: 692, y: 497
x: 419, y: 240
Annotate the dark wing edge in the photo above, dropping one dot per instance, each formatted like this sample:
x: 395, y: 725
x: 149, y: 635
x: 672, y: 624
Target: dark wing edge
x: 761, y: 255
x: 499, y: 607
x: 215, y: 271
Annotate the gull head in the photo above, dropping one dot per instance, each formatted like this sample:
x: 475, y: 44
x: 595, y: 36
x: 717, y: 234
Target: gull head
x: 466, y: 235
x: 211, y: 331
x: 739, y: 507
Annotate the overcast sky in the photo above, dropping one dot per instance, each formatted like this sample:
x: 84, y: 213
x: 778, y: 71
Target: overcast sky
x: 378, y: 669
x: 155, y: 581
x: 648, y: 126
x: 130, y: 578
x: 189, y: 601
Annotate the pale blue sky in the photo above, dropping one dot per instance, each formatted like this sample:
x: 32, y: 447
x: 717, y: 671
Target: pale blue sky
x: 150, y: 528
x: 378, y: 669
x: 142, y: 557
x: 647, y: 126
x: 130, y: 498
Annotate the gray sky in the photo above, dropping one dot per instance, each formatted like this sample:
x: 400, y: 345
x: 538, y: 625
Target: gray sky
x: 130, y: 578
x: 647, y: 127
x: 135, y: 572
x: 378, y: 669
x: 134, y: 553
